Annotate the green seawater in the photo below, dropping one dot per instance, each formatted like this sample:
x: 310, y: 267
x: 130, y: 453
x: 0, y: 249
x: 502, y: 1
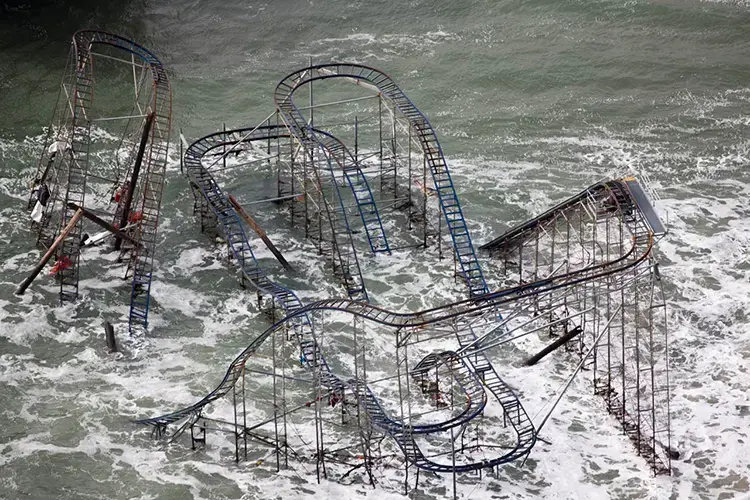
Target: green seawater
x: 532, y: 101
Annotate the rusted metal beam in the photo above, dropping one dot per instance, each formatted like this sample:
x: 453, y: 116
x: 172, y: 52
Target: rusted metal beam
x: 260, y: 232
x: 134, y: 177
x: 50, y: 252
x: 554, y: 345
x: 106, y: 225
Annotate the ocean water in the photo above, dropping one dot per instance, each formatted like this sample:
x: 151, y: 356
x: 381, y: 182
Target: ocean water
x: 532, y: 101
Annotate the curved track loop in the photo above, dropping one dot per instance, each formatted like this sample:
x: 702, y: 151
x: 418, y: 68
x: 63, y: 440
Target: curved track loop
x: 424, y: 133
x: 225, y: 213
x: 457, y: 314
x: 336, y: 150
x: 239, y: 245
x: 449, y: 204
x: 349, y: 266
x: 470, y: 383
x: 155, y: 160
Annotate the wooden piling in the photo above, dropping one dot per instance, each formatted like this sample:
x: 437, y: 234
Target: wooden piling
x: 109, y: 332
x: 260, y: 232
x: 554, y: 345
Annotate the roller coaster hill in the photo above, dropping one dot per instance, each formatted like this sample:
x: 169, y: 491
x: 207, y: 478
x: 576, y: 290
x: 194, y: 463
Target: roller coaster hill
x: 103, y: 164
x: 362, y: 173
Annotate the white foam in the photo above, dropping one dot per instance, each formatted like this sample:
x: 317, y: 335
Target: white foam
x: 64, y: 381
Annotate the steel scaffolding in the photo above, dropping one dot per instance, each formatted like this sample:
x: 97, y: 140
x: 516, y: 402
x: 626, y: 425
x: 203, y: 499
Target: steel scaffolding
x: 588, y: 254
x: 69, y: 162
x: 355, y: 389
x: 605, y: 223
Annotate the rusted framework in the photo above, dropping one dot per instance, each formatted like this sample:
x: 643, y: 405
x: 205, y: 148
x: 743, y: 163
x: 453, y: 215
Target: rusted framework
x: 349, y: 386
x: 630, y: 365
x: 378, y: 389
x: 74, y: 168
x: 371, y: 179
x: 377, y: 143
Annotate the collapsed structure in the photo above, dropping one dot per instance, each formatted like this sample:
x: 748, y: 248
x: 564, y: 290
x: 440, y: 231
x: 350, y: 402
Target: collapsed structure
x: 76, y: 178
x: 352, y: 168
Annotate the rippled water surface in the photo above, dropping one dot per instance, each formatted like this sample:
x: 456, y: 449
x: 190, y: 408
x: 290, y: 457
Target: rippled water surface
x: 532, y: 101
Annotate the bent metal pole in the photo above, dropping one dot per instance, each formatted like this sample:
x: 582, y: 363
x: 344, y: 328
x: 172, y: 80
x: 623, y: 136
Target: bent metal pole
x: 260, y: 232
x: 578, y: 368
x: 104, y: 224
x: 134, y: 177
x: 73, y: 220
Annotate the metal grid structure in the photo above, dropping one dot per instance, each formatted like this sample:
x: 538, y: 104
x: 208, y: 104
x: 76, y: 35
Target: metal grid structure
x: 630, y: 366
x: 401, y: 153
x: 427, y: 400
x: 329, y: 182
x: 137, y: 172
x: 382, y: 389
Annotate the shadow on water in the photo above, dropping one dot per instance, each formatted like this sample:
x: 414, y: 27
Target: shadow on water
x: 34, y: 43
x: 23, y: 22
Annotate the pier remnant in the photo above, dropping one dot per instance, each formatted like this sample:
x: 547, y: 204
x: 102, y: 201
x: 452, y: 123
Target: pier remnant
x: 109, y: 332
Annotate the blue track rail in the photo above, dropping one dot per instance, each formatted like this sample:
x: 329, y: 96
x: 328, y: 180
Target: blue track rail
x: 338, y: 152
x: 423, y: 132
x: 236, y: 237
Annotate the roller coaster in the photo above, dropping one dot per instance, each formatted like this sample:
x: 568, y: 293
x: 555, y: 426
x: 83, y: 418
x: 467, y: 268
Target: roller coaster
x: 583, y: 270
x: 122, y: 182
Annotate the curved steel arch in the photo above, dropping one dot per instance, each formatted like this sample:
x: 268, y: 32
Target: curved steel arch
x: 425, y: 134
x: 526, y: 436
x: 207, y: 184
x: 306, y: 134
x: 76, y: 164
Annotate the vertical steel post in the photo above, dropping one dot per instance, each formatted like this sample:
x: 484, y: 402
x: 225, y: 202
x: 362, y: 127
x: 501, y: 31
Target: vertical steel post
x: 408, y: 177
x: 182, y: 171
x: 424, y: 197
x: 637, y: 361
x: 275, y: 402
x: 134, y: 176
x: 244, y: 412
x: 236, y: 434
x: 284, y: 357
x: 356, y: 139
x: 310, y: 86
x: 453, y: 463
x: 394, y: 160
x: 399, y: 362
x: 380, y: 141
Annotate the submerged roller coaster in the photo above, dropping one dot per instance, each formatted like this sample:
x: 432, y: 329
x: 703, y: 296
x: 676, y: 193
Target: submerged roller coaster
x: 78, y: 170
x: 374, y: 385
